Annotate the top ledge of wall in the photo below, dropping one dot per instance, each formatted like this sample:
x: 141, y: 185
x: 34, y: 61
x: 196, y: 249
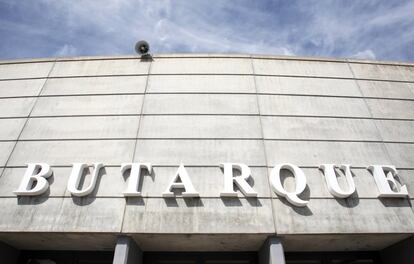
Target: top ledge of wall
x: 207, y: 55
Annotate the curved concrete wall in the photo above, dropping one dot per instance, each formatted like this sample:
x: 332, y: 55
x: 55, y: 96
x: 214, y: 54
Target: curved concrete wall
x: 202, y: 110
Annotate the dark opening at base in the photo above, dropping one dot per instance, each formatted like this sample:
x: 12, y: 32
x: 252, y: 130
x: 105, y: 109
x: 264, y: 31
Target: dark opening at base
x: 106, y: 257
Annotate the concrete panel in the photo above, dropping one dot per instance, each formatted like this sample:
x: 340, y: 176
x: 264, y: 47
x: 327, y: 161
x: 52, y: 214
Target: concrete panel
x: 317, y: 188
x: 393, y: 130
x: 200, y: 152
x: 95, y: 85
x: 198, y: 216
x: 5, y: 150
x: 301, y: 68
x: 407, y: 178
x: 308, y: 153
x: 382, y: 72
x: 88, y: 105
x: 312, y: 106
x: 200, y: 127
x: 81, y: 127
x: 200, y: 104
x: 392, y: 215
x: 17, y: 88
x: 201, y: 66
x: 319, y: 128
x: 16, y: 107
x: 61, y: 214
x: 201, y: 84
x: 25, y: 70
x: 90, y: 215
x: 200, y: 242
x: 60, y: 241
x: 99, y: 67
x: 308, y: 86
x: 340, y: 242
x: 209, y: 182
x: 11, y: 128
x: 383, y: 89
x: 402, y: 155
x: 64, y: 153
x: 397, y: 109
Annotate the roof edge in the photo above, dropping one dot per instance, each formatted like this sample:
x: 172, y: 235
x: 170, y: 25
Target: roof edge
x: 209, y: 55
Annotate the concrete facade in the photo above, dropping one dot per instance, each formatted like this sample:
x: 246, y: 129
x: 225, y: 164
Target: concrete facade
x: 203, y: 110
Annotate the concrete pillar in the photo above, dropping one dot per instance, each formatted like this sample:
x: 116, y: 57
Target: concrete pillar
x: 401, y: 253
x: 8, y: 254
x: 127, y: 251
x: 272, y: 252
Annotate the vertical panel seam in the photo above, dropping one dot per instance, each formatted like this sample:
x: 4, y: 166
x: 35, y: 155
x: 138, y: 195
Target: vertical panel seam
x: 370, y: 111
x: 36, y: 98
x: 375, y: 123
x: 263, y: 143
x: 137, y: 133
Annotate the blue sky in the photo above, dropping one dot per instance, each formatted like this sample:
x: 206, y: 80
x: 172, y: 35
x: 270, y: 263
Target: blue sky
x: 367, y: 29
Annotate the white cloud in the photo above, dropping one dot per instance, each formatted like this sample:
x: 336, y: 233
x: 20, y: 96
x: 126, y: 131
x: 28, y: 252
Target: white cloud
x: 366, y: 54
x: 66, y: 50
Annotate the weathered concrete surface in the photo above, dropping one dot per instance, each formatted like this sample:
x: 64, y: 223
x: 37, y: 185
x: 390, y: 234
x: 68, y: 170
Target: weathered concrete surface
x: 5, y: 150
x: 25, y: 70
x: 402, y: 155
x: 202, y: 66
x: 17, y: 88
x: 196, y: 127
x: 306, y: 86
x: 93, y: 85
x: 382, y: 72
x: 341, y: 216
x: 200, y: 152
x: 201, y: 84
x: 202, y: 110
x: 314, y: 153
x: 99, y: 67
x: 16, y: 107
x: 397, y: 131
x: 64, y: 153
x: 382, y: 89
x: 392, y: 109
x: 302, y: 68
x: 198, y: 215
x: 11, y: 128
x: 310, y: 128
x: 312, y: 106
x: 200, y: 104
x: 88, y: 105
x: 44, y: 214
x: 96, y: 127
